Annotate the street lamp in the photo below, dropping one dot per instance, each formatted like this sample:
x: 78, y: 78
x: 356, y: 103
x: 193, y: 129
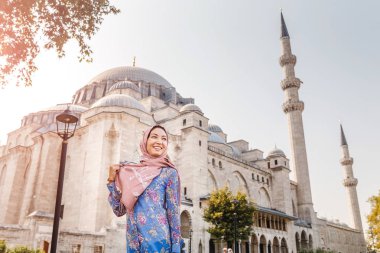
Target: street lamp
x: 235, y: 201
x: 190, y: 235
x: 66, y: 125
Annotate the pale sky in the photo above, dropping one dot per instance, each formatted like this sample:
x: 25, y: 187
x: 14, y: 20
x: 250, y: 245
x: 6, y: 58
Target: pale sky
x: 225, y: 54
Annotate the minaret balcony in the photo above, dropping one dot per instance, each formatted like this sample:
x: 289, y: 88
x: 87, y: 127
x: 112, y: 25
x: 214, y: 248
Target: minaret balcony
x: 290, y: 106
x: 350, y: 182
x: 290, y: 83
x: 347, y: 161
x: 288, y: 59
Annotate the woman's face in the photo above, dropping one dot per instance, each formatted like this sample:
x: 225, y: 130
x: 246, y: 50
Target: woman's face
x: 157, y: 142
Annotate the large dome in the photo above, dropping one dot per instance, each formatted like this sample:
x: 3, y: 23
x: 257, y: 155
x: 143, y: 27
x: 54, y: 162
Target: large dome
x: 121, y: 100
x: 134, y: 74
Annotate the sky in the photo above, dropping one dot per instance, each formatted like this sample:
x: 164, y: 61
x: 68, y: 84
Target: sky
x: 225, y: 55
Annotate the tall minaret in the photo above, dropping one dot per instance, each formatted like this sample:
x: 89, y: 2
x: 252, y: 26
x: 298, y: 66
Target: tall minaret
x: 350, y: 183
x: 293, y: 108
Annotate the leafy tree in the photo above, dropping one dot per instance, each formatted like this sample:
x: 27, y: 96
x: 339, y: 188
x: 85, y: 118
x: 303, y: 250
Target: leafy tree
x: 26, y: 26
x: 19, y: 249
x: 224, y: 209
x: 373, y: 220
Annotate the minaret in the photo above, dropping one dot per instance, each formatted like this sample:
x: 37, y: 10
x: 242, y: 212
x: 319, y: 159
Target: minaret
x: 293, y: 108
x: 350, y: 183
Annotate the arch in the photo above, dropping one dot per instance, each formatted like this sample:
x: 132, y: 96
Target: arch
x: 211, y: 182
x: 294, y: 209
x: 284, y: 246
x: 2, y: 174
x: 269, y: 247
x: 200, y: 247
x: 263, y: 244
x: 298, y: 246
x: 264, y: 199
x: 185, y: 224
x: 254, y: 244
x: 304, y: 244
x: 310, y: 241
x: 241, y: 183
x: 276, y: 245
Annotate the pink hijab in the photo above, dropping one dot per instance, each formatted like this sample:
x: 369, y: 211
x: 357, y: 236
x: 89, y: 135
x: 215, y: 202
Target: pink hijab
x: 133, y: 179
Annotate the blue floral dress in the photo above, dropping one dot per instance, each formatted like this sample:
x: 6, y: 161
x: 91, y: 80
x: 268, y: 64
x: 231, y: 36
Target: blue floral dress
x: 154, y: 224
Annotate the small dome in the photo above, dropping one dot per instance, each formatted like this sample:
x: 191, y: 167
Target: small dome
x: 276, y: 152
x: 214, y: 128
x: 134, y: 74
x: 124, y: 85
x: 62, y: 107
x: 190, y: 108
x: 213, y: 137
x: 121, y: 100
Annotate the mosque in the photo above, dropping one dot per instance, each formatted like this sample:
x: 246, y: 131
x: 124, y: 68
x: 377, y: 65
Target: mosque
x: 114, y: 108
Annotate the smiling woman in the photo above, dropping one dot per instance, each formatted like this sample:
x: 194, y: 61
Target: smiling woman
x: 150, y: 196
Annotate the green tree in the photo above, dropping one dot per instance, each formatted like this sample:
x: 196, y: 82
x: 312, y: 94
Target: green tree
x: 224, y: 209
x: 3, y: 247
x: 22, y: 249
x: 26, y: 26
x: 373, y: 220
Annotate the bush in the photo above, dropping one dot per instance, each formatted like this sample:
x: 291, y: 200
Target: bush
x: 20, y: 249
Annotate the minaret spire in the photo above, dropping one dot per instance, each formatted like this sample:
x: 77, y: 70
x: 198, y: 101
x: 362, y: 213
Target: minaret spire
x: 342, y: 136
x: 293, y: 108
x: 284, y: 30
x: 350, y: 182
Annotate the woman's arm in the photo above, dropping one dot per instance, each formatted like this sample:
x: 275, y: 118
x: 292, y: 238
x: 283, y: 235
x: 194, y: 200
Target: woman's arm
x: 114, y: 200
x: 172, y: 196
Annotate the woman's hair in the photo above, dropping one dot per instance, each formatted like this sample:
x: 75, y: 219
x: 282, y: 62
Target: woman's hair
x: 157, y: 126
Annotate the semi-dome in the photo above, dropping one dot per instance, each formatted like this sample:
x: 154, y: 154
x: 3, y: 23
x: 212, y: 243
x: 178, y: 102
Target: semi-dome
x: 190, y: 108
x: 276, y: 152
x: 121, y: 100
x: 213, y: 137
x: 124, y: 85
x: 134, y: 74
x: 214, y: 128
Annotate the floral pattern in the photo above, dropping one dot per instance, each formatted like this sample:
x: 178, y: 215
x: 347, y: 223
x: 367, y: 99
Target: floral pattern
x: 154, y: 224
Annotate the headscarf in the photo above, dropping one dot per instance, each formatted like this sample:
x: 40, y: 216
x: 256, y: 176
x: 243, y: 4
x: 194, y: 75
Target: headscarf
x: 133, y: 179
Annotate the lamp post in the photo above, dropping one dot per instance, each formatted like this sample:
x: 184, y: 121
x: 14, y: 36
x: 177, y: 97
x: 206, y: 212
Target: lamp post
x: 235, y: 201
x: 190, y: 235
x: 66, y: 125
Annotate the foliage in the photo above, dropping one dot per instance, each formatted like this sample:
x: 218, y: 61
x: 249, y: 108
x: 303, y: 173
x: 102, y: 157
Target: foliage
x: 19, y: 249
x: 373, y: 220
x: 3, y: 247
x: 26, y: 26
x: 316, y: 251
x: 221, y: 215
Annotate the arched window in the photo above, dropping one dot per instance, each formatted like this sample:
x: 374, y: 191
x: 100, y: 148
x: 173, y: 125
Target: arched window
x: 200, y: 123
x: 200, y: 143
x: 262, y: 179
x: 275, y: 162
x: 258, y: 178
x: 268, y: 165
x: 268, y: 181
x: 213, y: 162
x: 184, y: 122
x: 253, y: 176
x: 220, y: 164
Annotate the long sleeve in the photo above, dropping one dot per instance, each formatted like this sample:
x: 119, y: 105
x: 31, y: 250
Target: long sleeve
x: 172, y: 196
x: 114, y: 200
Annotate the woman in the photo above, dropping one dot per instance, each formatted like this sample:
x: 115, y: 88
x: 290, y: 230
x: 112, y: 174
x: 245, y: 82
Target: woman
x: 150, y: 196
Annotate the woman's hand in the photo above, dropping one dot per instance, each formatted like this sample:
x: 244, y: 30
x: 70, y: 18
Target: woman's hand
x: 112, y: 171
